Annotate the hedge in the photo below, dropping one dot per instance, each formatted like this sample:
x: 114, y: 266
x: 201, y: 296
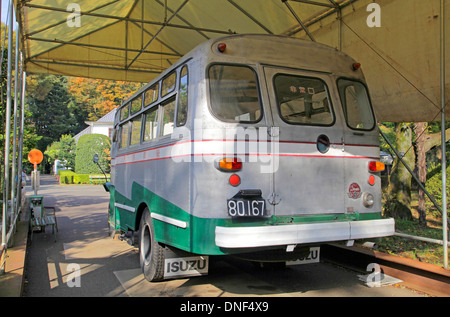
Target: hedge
x: 87, y: 146
x: 70, y: 177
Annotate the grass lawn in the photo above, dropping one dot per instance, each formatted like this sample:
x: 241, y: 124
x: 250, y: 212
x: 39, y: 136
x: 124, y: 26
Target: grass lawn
x: 422, y: 251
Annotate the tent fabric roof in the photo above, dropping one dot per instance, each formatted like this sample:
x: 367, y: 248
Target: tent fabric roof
x: 135, y: 40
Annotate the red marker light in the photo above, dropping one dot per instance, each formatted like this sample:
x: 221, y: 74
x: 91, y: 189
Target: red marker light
x: 221, y: 47
x: 234, y: 180
x: 356, y: 66
x: 371, y: 180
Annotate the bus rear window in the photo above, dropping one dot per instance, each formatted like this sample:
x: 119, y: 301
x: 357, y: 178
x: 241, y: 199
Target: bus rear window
x: 303, y: 100
x: 355, y: 101
x: 234, y: 93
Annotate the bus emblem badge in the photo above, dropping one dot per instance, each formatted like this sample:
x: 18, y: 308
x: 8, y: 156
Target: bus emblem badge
x: 354, y: 191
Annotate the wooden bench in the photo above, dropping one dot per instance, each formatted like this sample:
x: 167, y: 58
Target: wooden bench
x: 48, y: 219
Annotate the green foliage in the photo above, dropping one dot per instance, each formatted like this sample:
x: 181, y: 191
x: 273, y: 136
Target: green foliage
x: 66, y: 176
x: 434, y: 186
x: 70, y: 177
x: 414, y: 249
x: 87, y: 146
x: 63, y: 150
x: 49, y: 101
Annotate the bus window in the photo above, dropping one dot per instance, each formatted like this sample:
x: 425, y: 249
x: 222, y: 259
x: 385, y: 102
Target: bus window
x: 303, y: 100
x: 151, y: 94
x: 356, y: 104
x: 234, y: 93
x: 168, y: 114
x: 124, y: 112
x: 182, y: 98
x: 136, y: 105
x: 151, y: 124
x: 136, y: 124
x: 124, y: 128
x: 168, y: 84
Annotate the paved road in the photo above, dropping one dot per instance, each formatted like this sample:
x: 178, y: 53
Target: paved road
x: 84, y: 261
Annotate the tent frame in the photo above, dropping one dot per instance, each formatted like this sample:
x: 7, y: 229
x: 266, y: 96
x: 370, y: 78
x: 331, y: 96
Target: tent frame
x: 330, y: 7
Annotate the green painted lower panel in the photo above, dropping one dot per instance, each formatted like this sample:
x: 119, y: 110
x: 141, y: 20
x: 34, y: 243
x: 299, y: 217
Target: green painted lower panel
x: 199, y: 234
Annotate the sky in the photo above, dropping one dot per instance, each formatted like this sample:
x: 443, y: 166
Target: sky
x: 5, y: 4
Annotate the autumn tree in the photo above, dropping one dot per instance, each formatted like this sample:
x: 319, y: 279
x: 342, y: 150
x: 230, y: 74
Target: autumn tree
x: 99, y: 96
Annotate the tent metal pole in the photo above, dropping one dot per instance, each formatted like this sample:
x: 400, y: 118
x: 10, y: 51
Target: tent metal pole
x: 444, y: 167
x: 8, y: 128
x: 21, y: 138
x: 15, y: 177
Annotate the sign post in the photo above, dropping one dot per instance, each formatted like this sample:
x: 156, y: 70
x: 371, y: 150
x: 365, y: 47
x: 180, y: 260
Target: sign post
x: 35, y: 157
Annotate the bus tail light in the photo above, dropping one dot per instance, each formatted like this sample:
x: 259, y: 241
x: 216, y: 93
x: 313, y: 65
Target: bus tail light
x: 375, y: 166
x: 230, y: 164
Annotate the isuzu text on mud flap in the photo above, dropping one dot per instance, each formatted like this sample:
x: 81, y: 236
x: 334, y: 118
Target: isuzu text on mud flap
x: 190, y: 266
x: 259, y: 146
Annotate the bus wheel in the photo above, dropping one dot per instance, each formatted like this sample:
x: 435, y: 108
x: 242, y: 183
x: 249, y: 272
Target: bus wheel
x: 151, y: 252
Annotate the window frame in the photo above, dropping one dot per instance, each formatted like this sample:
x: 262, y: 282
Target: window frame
x: 258, y: 91
x: 178, y: 102
x: 368, y: 99
x: 327, y: 90
x: 156, y: 109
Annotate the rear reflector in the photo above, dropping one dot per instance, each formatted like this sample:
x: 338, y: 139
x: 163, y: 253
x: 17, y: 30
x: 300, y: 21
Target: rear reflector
x: 234, y: 180
x: 230, y: 164
x: 375, y: 166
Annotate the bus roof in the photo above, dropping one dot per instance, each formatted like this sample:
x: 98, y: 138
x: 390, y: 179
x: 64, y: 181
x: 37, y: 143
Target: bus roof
x: 272, y: 50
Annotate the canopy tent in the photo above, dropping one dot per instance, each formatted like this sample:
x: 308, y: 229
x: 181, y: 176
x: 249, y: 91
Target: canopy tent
x: 134, y: 40
x: 402, y: 54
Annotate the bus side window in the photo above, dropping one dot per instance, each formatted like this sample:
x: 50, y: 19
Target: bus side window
x: 151, y: 95
x: 168, y: 84
x: 182, y: 98
x: 168, y: 114
x: 124, y: 112
x: 151, y: 124
x: 124, y: 129
x: 136, y: 124
x: 136, y: 105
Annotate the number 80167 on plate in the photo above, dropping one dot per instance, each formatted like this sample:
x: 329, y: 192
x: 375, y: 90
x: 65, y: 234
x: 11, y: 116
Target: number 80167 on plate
x: 242, y: 207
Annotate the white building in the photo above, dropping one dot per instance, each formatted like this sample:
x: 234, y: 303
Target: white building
x: 104, y: 126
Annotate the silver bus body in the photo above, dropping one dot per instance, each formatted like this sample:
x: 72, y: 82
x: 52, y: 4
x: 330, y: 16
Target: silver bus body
x: 250, y: 144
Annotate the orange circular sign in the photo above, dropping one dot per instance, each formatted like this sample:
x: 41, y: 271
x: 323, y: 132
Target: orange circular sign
x: 35, y: 156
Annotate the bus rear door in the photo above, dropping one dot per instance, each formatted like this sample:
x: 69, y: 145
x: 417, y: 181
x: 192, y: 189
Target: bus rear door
x: 308, y: 176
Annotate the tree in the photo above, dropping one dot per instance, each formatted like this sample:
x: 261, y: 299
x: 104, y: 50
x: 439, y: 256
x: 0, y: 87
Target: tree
x: 63, y: 150
x: 99, y: 96
x: 398, y: 204
x: 50, y: 104
x: 420, y: 130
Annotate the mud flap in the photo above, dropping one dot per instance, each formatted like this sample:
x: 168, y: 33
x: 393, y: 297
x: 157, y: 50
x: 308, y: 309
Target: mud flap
x: 312, y: 257
x: 178, y: 264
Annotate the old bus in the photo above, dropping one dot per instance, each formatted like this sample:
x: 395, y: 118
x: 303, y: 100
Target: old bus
x: 250, y: 145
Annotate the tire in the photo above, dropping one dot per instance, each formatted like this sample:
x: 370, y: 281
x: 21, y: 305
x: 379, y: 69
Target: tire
x: 151, y: 252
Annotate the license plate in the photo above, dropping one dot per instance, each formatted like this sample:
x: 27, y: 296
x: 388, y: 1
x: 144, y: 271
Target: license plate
x: 242, y: 207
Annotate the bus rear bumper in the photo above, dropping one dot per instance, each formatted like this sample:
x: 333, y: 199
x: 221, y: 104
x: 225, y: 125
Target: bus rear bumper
x: 263, y: 236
